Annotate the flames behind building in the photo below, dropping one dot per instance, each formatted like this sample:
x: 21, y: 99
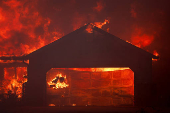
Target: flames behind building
x: 86, y: 68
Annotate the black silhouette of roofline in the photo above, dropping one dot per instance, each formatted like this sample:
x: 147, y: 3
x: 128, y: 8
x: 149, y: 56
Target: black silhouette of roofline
x: 26, y: 57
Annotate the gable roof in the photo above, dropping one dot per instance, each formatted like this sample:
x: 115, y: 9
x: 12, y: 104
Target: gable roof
x: 73, y: 36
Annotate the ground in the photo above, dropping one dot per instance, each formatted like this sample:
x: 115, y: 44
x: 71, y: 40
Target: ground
x: 75, y: 109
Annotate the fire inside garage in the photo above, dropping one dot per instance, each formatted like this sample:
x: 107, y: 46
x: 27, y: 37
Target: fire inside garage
x: 90, y: 87
x: 88, y: 67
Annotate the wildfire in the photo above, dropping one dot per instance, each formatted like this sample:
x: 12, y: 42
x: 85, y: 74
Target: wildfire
x: 100, y: 24
x: 21, y: 25
x: 12, y: 82
x: 15, y: 87
x: 97, y: 24
x: 59, y: 81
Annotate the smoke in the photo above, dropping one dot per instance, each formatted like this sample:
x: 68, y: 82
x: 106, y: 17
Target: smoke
x: 28, y: 25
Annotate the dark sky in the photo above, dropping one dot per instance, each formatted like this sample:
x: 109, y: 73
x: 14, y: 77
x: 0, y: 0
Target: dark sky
x: 26, y: 25
x: 141, y: 22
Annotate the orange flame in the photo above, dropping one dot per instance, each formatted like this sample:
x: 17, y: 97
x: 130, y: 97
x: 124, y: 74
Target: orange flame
x: 58, y: 83
x: 100, y: 24
x: 14, y: 82
x: 22, y: 18
x: 97, y: 24
x: 156, y: 54
x: 89, y: 29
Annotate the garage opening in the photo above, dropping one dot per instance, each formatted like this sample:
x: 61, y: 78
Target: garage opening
x: 90, y: 87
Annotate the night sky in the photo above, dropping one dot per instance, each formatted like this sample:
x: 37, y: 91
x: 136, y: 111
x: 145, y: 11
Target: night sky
x: 26, y: 25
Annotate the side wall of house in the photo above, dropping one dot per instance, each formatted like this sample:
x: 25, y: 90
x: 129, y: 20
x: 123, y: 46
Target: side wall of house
x: 37, y: 69
x: 143, y: 83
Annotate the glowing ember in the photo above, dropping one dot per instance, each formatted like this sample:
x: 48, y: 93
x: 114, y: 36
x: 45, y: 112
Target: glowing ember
x: 59, y: 81
x: 95, y: 69
x: 156, y: 54
x: 73, y: 104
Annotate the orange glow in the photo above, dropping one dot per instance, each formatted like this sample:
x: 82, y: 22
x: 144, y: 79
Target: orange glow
x: 51, y: 105
x: 100, y: 24
x: 11, y: 61
x: 95, y: 69
x: 59, y: 81
x: 156, y: 54
x: 14, y: 82
x: 89, y: 28
x: 87, y: 85
x: 140, y: 39
x: 23, y: 17
x: 99, y: 6
x: 73, y: 104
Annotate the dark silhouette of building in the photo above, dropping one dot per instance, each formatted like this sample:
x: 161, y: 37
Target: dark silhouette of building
x: 81, y: 49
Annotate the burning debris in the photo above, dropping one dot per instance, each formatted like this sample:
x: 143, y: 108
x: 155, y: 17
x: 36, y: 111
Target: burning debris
x: 59, y: 81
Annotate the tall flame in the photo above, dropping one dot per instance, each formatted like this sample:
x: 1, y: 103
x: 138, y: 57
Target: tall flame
x: 12, y: 82
x: 21, y: 26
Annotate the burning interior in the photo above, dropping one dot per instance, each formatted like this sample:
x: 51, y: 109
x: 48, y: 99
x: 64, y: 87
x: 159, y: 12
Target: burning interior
x: 12, y: 82
x: 90, y: 87
x: 53, y: 79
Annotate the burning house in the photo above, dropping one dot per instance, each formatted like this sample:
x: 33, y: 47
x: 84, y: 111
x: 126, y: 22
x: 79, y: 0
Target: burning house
x: 88, y: 67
